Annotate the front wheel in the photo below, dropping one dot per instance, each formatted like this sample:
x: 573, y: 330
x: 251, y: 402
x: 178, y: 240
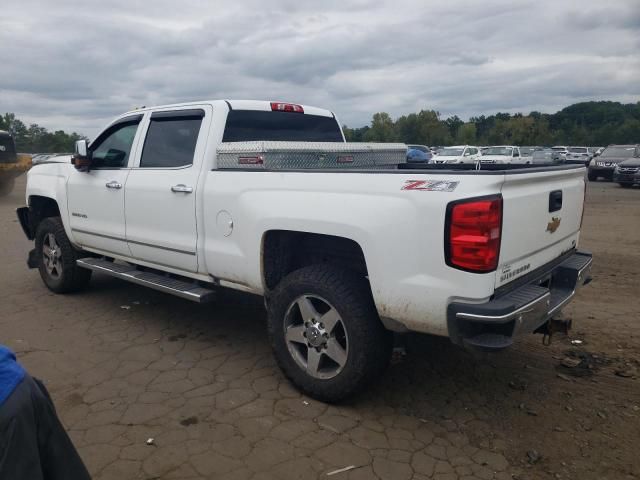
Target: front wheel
x: 57, y: 258
x: 592, y: 176
x: 325, y: 332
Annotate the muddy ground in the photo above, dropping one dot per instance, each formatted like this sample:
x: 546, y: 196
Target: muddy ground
x: 125, y: 364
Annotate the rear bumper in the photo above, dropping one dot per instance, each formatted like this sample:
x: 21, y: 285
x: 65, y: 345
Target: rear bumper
x: 494, y: 325
x: 626, y: 177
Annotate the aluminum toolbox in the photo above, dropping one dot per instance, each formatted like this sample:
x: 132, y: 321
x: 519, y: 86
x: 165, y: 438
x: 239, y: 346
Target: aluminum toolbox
x: 267, y: 155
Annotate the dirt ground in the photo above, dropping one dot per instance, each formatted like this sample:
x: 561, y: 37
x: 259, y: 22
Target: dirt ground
x: 125, y: 364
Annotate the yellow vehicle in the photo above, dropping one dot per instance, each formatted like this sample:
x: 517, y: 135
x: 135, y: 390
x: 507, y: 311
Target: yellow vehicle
x: 11, y: 164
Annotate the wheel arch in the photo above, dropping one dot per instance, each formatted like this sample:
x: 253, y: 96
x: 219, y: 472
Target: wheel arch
x: 284, y: 251
x: 41, y: 207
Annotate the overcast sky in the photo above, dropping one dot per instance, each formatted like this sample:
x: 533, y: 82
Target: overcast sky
x: 73, y: 64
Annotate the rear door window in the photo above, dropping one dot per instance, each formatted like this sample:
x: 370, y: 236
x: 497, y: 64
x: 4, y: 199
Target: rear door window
x: 171, y: 139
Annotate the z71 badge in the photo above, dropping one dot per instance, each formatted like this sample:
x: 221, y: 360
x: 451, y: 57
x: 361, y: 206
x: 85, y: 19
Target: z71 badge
x: 431, y: 185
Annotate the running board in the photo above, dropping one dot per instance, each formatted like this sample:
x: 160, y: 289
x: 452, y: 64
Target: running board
x: 179, y: 288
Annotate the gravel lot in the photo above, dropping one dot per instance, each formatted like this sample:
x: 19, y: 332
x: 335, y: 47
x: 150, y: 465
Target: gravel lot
x: 125, y: 364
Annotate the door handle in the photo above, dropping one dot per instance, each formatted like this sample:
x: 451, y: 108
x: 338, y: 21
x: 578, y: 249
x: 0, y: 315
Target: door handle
x: 113, y: 184
x: 181, y: 188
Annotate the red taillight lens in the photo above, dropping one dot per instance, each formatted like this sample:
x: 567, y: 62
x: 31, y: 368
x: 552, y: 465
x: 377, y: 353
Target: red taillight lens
x: 286, y: 107
x: 474, y: 228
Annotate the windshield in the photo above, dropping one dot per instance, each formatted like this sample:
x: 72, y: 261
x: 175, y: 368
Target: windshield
x: 450, y: 152
x: 542, y: 154
x: 618, y: 152
x: 254, y: 125
x: 527, y: 151
x: 578, y: 149
x: 498, y: 151
x: 559, y: 149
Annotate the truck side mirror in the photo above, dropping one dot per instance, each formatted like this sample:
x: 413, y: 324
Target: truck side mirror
x: 81, y: 157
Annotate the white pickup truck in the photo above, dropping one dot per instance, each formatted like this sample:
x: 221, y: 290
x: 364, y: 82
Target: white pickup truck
x: 344, y: 241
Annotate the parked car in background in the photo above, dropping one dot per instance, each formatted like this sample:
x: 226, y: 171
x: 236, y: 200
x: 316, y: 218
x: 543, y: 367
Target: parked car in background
x: 527, y: 152
x: 604, y: 165
x: 502, y: 154
x: 546, y: 156
x: 418, y: 153
x: 458, y: 154
x: 579, y: 155
x: 562, y: 150
x: 627, y: 173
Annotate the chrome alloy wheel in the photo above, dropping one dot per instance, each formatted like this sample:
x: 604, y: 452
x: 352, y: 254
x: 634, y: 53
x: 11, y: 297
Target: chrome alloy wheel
x: 52, y: 255
x: 316, y: 337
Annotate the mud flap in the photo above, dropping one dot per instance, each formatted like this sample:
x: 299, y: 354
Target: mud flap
x: 32, y: 259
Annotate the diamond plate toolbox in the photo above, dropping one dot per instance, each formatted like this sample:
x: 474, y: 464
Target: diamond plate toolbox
x: 268, y: 155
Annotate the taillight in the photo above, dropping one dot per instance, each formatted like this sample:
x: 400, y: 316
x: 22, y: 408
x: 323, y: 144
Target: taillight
x: 286, y: 107
x: 472, y: 234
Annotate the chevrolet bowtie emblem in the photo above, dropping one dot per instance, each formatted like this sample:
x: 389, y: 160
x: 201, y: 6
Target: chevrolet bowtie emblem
x: 553, y: 225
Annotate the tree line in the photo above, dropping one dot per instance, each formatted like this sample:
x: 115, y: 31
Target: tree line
x: 586, y: 123
x: 37, y: 139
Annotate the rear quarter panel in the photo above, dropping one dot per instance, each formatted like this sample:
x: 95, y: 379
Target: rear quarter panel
x: 401, y: 232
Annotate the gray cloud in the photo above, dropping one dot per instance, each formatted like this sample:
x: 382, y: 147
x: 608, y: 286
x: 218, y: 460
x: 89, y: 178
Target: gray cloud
x: 74, y: 64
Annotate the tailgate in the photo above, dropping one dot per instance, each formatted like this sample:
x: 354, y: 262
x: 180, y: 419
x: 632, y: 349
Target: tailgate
x: 542, y: 212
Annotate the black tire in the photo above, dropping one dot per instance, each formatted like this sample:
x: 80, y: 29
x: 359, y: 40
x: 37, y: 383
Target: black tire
x: 626, y: 185
x: 7, y: 187
x: 592, y: 176
x: 68, y: 277
x: 369, y: 343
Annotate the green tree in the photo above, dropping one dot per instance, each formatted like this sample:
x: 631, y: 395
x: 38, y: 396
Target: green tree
x: 37, y: 139
x: 466, y: 134
x: 382, y: 129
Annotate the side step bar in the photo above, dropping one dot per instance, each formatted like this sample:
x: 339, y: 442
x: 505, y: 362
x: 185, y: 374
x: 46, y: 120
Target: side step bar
x: 179, y: 288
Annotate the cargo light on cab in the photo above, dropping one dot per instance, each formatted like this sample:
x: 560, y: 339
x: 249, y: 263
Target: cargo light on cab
x: 286, y: 107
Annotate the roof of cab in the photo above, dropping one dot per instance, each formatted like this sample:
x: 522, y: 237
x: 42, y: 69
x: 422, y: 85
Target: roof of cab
x: 263, y: 105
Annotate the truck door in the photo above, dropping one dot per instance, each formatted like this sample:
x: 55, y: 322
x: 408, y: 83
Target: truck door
x: 161, y: 190
x: 96, y: 198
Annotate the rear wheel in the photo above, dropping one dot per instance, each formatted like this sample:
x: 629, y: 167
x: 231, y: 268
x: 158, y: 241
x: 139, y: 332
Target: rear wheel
x: 325, y: 332
x: 57, y: 258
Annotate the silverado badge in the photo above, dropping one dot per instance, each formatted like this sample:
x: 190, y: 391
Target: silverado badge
x: 553, y: 225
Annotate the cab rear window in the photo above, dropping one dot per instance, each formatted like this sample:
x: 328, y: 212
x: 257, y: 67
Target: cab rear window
x: 256, y: 125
